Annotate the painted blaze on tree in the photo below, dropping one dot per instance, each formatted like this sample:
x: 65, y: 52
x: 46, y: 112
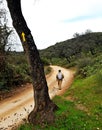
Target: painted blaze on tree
x: 44, y: 108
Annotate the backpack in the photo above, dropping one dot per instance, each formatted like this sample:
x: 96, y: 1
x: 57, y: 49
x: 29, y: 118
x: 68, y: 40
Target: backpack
x: 60, y: 76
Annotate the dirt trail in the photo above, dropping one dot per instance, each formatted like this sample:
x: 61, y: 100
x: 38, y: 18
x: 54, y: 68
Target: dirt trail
x: 16, y: 108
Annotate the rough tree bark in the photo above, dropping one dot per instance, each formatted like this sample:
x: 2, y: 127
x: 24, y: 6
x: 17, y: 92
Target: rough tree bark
x: 44, y: 108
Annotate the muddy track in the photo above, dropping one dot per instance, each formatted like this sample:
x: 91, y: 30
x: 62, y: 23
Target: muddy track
x: 15, y: 109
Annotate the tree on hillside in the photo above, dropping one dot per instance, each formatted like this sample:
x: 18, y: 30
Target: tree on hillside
x: 4, y: 34
x: 44, y: 107
x: 88, y: 31
x: 75, y: 35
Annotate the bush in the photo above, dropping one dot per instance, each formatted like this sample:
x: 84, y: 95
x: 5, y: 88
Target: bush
x: 89, y: 66
x: 70, y: 65
x: 83, y: 65
x: 98, y: 80
x: 45, y: 61
x: 21, y: 74
x: 99, y: 77
x: 47, y: 69
x: 6, y: 77
x: 15, y: 71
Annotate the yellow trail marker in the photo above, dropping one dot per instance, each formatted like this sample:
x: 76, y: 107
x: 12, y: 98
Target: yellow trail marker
x: 23, y: 36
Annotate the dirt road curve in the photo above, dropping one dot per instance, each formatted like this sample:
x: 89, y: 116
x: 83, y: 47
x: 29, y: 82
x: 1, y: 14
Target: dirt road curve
x: 16, y: 108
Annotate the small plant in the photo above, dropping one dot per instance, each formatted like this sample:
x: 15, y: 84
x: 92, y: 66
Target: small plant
x: 26, y: 127
x: 98, y: 80
x: 47, y: 69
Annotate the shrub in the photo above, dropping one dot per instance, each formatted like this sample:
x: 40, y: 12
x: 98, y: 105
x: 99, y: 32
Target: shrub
x: 98, y: 80
x: 13, y: 74
x: 83, y: 65
x: 6, y: 77
x: 47, y: 69
x: 45, y: 61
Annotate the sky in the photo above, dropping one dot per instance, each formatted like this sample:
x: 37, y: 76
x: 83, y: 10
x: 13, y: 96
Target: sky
x: 52, y: 21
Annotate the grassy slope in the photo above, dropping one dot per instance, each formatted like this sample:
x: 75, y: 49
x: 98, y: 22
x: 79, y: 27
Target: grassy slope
x: 82, y: 112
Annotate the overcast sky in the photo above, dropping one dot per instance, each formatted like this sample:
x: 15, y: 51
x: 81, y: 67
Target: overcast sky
x: 52, y: 21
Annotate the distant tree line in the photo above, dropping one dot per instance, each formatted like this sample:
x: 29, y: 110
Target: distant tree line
x: 88, y: 43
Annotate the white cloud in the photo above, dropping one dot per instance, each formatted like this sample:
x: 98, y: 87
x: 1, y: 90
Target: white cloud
x: 50, y: 20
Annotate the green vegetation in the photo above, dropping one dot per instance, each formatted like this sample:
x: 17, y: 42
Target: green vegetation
x: 82, y: 112
x: 89, y: 65
x: 84, y: 53
x: 69, y: 51
x: 47, y: 69
x: 72, y: 117
x: 15, y: 70
x: 80, y: 108
x: 26, y: 127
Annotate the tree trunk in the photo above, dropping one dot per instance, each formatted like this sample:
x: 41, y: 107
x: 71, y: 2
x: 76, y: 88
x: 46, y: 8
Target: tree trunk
x: 44, y: 107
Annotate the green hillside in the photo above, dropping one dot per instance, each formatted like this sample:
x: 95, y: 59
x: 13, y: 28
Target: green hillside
x: 75, y: 48
x: 80, y: 107
x: 83, y: 52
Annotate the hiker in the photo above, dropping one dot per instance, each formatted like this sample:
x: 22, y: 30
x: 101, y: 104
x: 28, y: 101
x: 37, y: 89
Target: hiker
x: 59, y: 78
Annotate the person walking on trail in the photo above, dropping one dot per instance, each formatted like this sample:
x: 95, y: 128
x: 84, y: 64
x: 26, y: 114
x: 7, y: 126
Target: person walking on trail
x: 59, y: 78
